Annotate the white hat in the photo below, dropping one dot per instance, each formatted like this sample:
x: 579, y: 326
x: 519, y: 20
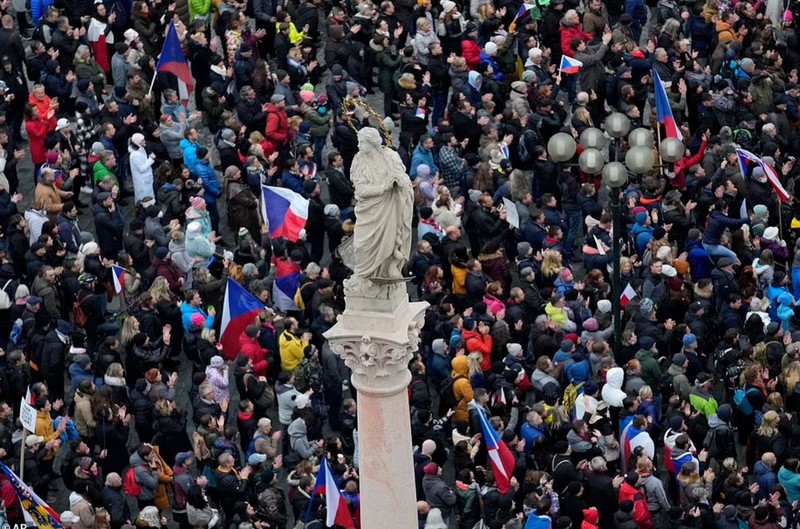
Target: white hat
x: 604, y: 305
x: 130, y: 35
x: 33, y: 440
x: 90, y: 248
x: 669, y: 270
x: 194, y: 227
x: 217, y: 361
x: 301, y: 401
x: 138, y: 139
x: 448, y: 5
x: 62, y: 123
x: 490, y: 48
x: 514, y: 349
x: 771, y: 233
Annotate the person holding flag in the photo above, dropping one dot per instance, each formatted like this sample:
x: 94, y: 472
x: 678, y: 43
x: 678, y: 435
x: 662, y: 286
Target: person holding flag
x: 592, y: 72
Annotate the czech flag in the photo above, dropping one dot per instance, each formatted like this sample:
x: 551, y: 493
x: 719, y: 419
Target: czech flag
x: 420, y: 113
x: 172, y: 60
x: 523, y: 9
x: 36, y: 511
x: 335, y: 506
x: 627, y: 295
x: 664, y: 110
x: 285, y: 212
x: 570, y: 65
x: 775, y: 182
x: 239, y: 310
x: 747, y: 162
x: 286, y: 284
x: 500, y: 456
x: 118, y: 274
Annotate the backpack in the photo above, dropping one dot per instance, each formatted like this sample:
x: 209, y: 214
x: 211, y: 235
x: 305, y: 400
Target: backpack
x: 267, y: 397
x: 132, y: 487
x: 741, y: 401
x: 523, y: 151
x: 417, y: 393
x: 302, y: 376
x: 16, y: 333
x: 78, y: 316
x: 571, y: 397
x: 666, y: 386
x: 447, y: 397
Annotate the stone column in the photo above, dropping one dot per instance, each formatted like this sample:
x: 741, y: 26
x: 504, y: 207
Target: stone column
x: 377, y: 338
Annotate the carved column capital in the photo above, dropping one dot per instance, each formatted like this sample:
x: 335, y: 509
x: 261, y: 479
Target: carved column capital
x: 378, y: 347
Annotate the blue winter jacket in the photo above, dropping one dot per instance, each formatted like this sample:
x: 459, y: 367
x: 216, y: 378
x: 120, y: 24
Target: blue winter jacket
x: 211, y: 185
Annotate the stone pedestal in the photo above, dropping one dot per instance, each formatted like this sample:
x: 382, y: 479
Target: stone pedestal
x: 377, y: 338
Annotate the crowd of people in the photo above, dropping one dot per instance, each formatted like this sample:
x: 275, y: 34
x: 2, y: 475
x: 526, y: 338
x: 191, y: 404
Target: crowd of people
x: 146, y: 203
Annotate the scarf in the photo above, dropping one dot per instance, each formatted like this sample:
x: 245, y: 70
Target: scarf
x: 432, y: 223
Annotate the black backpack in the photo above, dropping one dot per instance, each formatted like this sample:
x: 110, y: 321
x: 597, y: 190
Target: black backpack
x: 447, y: 398
x: 666, y: 386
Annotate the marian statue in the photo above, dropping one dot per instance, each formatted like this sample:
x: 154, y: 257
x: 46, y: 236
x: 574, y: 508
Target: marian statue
x: 384, y: 207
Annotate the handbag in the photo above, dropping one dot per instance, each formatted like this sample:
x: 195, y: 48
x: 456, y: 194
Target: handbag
x: 5, y: 299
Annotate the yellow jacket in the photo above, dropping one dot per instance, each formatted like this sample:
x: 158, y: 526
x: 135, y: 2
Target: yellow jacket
x: 295, y: 37
x: 292, y: 351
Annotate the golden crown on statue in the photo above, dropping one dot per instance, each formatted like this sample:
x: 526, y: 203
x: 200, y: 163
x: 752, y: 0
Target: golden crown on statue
x: 350, y: 103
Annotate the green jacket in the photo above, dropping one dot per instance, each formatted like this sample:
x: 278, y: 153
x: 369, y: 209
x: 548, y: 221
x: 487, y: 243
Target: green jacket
x: 703, y: 402
x: 651, y: 371
x: 101, y: 171
x: 320, y: 123
x: 199, y: 8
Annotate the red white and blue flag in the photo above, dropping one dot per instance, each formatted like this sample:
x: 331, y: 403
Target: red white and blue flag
x: 664, y: 110
x: 749, y: 161
x: 238, y: 311
x: 499, y: 455
x: 523, y: 9
x: 172, y: 60
x: 570, y: 65
x: 286, y: 284
x: 118, y: 274
x: 284, y: 211
x: 335, y: 506
x: 35, y: 510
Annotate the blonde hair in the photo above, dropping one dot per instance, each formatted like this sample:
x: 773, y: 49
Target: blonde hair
x: 645, y: 392
x: 791, y: 376
x: 474, y: 363
x: 769, y: 425
x: 128, y: 332
x: 551, y: 263
x: 209, y: 335
x: 160, y: 289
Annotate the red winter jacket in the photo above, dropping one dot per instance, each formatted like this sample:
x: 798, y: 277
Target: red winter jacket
x: 684, y: 164
x: 471, y: 53
x: 37, y: 133
x: 482, y: 343
x: 277, y: 126
x: 641, y: 514
x: 567, y: 34
x: 253, y: 350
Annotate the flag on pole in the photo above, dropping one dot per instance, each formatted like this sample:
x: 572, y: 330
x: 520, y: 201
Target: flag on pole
x: 35, y: 510
x: 285, y: 212
x: 749, y: 161
x: 599, y: 244
x: 172, y: 60
x: 570, y: 65
x: 286, y: 284
x: 775, y: 182
x: 664, y: 110
x: 118, y: 274
x: 523, y: 9
x: 627, y: 295
x: 239, y: 310
x: 335, y: 506
x: 499, y: 455
x: 743, y: 210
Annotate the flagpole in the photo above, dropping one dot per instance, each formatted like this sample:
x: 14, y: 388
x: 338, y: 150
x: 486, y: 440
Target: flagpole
x: 22, y: 455
x: 658, y: 153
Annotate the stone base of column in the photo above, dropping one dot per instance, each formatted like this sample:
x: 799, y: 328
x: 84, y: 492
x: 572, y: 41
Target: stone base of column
x: 377, y: 338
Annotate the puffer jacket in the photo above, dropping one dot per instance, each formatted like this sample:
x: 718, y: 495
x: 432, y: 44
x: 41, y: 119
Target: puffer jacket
x: 298, y: 439
x: 145, y: 477
x: 462, y: 388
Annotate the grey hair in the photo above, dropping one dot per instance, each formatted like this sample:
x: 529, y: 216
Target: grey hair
x: 598, y: 463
